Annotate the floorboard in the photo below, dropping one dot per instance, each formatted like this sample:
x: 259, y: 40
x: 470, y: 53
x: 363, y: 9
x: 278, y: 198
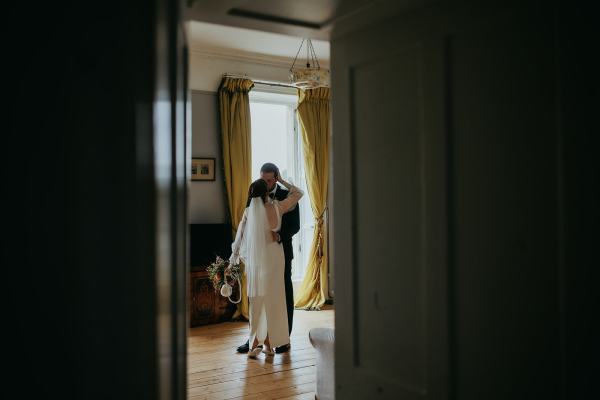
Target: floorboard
x: 217, y: 372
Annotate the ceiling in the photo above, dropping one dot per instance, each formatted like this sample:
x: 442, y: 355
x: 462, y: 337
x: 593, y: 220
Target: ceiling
x: 300, y: 18
x: 275, y: 28
x: 215, y: 38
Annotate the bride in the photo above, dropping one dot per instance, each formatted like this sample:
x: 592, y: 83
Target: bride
x: 263, y: 257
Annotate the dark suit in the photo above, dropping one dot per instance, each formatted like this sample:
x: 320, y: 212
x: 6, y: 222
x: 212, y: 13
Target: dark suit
x: 290, y: 225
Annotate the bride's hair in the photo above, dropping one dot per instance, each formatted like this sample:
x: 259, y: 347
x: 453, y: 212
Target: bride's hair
x: 258, y: 188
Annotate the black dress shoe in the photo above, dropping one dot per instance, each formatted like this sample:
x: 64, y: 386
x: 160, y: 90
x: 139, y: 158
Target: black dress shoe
x: 245, y: 347
x: 282, y: 349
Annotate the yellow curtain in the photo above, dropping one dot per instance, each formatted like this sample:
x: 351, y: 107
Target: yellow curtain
x: 234, y: 107
x: 313, y: 110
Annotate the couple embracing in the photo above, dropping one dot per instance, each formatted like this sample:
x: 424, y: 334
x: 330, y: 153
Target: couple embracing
x: 264, y: 243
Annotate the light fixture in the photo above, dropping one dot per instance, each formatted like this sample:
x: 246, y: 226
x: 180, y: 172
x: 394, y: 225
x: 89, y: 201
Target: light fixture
x: 313, y: 75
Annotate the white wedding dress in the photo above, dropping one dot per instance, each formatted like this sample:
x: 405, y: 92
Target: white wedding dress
x: 267, y: 306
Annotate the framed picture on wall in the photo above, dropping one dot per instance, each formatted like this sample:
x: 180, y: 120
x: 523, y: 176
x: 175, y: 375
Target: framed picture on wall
x: 203, y: 169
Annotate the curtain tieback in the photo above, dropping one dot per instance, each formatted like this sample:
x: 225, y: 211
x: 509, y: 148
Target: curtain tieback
x: 320, y: 220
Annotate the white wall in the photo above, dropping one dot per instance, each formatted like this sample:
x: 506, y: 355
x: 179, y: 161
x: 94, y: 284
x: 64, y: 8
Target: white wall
x: 206, y: 69
x: 207, y: 202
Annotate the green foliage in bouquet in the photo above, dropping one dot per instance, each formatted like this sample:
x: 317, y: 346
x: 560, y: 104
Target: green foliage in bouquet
x: 220, y: 270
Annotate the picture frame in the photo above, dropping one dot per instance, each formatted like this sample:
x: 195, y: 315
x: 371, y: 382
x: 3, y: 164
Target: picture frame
x: 203, y: 169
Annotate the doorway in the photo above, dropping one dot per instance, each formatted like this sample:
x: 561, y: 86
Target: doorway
x: 214, y: 365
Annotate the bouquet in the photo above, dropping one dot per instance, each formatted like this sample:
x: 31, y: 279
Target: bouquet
x: 221, y: 273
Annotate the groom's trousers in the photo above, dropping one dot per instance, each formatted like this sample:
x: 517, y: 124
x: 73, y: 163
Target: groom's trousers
x: 289, y: 292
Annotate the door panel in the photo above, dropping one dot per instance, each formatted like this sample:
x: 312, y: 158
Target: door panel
x: 389, y: 206
x: 390, y: 227
x: 503, y: 207
x: 445, y: 218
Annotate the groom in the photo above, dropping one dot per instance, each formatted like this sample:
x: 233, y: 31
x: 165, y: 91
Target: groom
x: 290, y: 225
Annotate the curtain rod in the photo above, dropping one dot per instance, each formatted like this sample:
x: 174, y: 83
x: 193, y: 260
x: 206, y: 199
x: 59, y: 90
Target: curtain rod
x: 244, y: 76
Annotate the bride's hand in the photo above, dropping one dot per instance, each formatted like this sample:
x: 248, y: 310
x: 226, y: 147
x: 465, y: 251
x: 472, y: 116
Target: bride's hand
x: 283, y: 182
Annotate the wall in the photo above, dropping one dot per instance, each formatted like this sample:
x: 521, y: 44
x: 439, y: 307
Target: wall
x: 206, y: 69
x: 207, y: 201
x: 463, y: 271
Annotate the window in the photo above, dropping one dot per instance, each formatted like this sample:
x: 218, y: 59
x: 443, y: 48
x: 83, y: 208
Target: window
x: 276, y: 138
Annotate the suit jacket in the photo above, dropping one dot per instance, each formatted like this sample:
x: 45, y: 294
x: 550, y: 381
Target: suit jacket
x: 290, y: 224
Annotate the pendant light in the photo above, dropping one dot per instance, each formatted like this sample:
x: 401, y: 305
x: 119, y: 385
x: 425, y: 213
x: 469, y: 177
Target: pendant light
x: 312, y: 76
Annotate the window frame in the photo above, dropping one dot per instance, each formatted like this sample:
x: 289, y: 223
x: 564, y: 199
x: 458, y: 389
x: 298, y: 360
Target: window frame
x: 289, y: 97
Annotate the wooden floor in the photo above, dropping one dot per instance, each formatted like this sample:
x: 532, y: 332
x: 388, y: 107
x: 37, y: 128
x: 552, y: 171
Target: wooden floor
x: 217, y: 371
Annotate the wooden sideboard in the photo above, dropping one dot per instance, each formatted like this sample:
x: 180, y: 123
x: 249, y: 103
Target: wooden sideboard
x: 206, y: 305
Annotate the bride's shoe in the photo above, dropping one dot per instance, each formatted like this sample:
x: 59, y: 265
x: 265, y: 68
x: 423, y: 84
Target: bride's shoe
x: 268, y: 351
x: 254, y: 352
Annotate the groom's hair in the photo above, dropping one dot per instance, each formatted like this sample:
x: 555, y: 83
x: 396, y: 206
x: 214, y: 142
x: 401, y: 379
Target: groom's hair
x: 258, y: 188
x: 269, y: 167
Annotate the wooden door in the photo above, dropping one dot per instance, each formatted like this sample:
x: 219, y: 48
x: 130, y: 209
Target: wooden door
x: 389, y: 216
x: 445, y: 221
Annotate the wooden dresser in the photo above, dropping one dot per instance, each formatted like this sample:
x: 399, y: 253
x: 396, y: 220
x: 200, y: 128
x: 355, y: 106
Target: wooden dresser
x: 206, y: 242
x: 206, y: 305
